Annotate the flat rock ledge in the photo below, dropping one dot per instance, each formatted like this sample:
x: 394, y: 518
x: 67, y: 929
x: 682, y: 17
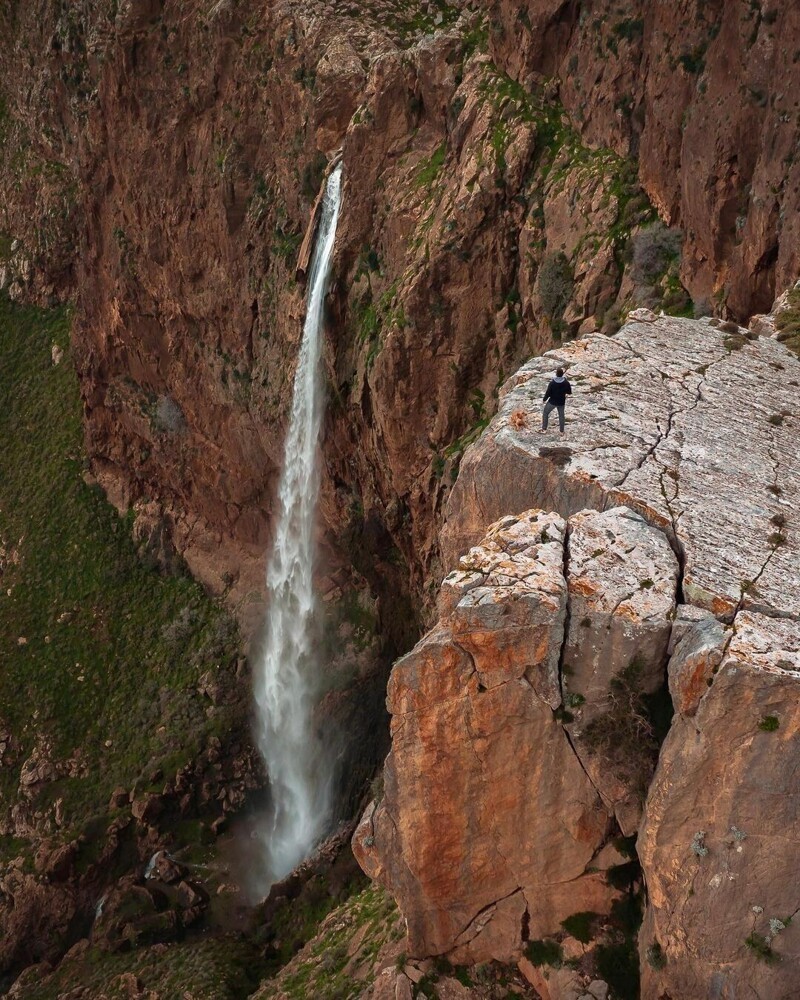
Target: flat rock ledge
x: 691, y: 424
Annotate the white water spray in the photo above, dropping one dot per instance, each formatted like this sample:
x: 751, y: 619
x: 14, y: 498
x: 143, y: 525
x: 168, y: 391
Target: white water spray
x: 286, y: 672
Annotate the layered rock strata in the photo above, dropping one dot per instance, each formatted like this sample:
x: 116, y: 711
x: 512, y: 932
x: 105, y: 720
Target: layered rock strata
x: 494, y: 826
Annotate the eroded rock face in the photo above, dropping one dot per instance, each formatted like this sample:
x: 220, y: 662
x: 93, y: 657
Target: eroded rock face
x: 703, y: 92
x: 622, y: 580
x: 492, y: 826
x: 718, y: 842
x: 689, y: 423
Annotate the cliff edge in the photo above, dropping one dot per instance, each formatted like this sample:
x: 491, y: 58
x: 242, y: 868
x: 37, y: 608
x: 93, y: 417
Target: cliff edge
x: 527, y: 726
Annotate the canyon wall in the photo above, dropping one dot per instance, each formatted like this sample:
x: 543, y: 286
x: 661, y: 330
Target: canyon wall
x: 506, y: 168
x: 162, y: 165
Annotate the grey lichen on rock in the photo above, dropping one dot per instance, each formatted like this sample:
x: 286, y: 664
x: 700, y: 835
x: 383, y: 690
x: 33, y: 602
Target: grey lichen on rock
x: 666, y: 419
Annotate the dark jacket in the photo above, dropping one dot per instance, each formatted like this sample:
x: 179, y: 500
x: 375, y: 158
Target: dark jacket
x: 558, y: 391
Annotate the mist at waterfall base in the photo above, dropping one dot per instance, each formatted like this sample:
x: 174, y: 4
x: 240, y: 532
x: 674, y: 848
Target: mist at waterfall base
x: 286, y: 671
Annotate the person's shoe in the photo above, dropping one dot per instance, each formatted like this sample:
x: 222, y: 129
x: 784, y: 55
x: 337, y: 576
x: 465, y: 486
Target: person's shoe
x: 541, y: 430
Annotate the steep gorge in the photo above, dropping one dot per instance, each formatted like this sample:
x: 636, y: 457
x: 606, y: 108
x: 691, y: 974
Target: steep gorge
x: 505, y: 166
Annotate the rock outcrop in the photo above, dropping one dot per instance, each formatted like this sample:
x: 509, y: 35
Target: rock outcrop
x: 162, y: 168
x: 689, y: 425
x: 499, y: 801
x: 689, y: 422
x: 718, y: 842
x: 622, y: 581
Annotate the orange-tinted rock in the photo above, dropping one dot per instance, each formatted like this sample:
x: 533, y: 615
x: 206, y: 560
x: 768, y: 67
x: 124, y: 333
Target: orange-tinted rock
x: 704, y: 93
x: 718, y: 841
x: 622, y: 578
x: 694, y: 662
x: 488, y: 823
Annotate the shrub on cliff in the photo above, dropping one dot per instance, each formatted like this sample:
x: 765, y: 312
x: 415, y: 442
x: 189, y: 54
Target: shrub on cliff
x: 788, y: 322
x: 654, y: 248
x: 556, y: 282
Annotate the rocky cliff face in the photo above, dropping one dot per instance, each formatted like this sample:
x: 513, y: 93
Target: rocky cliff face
x: 491, y: 202
x: 705, y: 94
x: 539, y: 684
x: 505, y: 167
x: 502, y: 793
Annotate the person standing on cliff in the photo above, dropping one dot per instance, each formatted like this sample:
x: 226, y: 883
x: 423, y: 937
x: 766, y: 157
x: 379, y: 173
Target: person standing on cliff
x: 555, y: 399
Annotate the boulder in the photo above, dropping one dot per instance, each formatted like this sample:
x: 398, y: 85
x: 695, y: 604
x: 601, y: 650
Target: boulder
x: 694, y: 662
x: 489, y: 825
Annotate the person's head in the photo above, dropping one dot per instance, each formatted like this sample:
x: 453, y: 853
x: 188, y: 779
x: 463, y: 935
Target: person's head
x: 559, y: 372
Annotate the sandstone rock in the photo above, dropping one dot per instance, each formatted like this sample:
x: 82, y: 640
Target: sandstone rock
x: 36, y: 917
x: 147, y: 808
x: 658, y: 412
x: 39, y: 768
x: 165, y: 868
x: 622, y: 87
x: 694, y: 662
x: 120, y: 797
x: 656, y: 415
x: 552, y: 983
x: 622, y: 580
x: 56, y: 861
x: 474, y: 742
x: 719, y: 831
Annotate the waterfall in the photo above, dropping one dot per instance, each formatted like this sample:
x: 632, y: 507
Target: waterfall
x: 286, y: 671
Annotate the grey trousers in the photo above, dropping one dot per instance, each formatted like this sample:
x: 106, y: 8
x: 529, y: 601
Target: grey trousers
x: 548, y: 409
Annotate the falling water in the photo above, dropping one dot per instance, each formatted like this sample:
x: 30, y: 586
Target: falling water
x: 286, y: 670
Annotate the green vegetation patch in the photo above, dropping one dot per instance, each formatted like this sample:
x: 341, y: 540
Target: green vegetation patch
x: 788, y: 322
x: 430, y: 168
x: 762, y: 949
x: 322, y: 969
x: 628, y: 734
x: 544, y: 952
x: 101, y: 655
x: 218, y: 968
x: 581, y: 926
